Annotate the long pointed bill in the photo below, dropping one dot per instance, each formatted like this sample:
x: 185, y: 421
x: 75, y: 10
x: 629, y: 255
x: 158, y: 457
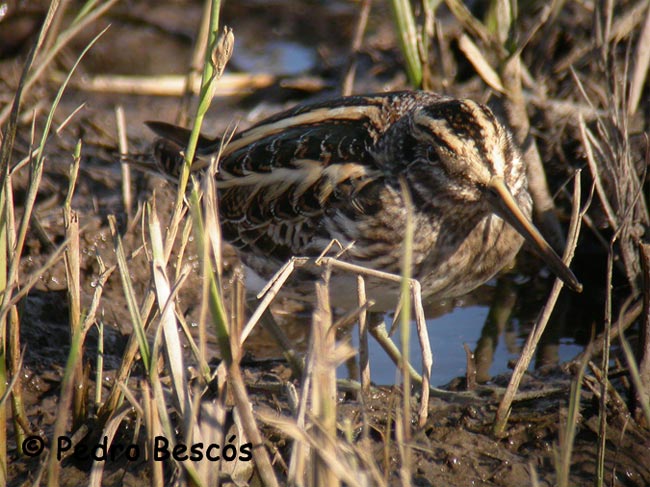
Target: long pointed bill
x: 508, y: 209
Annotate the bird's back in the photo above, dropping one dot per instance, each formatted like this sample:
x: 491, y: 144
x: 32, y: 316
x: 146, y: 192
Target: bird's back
x: 292, y: 183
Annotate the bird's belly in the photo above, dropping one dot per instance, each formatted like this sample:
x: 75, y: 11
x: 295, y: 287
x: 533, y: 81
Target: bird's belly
x: 446, y: 269
x: 343, y: 287
x: 488, y: 248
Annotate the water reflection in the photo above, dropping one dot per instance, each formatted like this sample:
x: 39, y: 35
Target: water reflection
x: 494, y: 322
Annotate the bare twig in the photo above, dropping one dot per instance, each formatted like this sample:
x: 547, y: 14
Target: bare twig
x: 127, y: 198
x: 503, y: 411
x: 347, y: 87
x: 170, y: 85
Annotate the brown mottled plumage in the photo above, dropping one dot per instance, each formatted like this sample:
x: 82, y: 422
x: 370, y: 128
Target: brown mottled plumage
x: 295, y: 181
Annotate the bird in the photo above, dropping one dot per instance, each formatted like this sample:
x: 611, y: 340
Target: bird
x: 338, y: 170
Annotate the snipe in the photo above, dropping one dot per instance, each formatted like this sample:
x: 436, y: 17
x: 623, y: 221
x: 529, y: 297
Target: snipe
x: 295, y: 181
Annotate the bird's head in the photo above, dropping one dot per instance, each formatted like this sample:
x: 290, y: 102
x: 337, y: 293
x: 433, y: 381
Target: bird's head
x: 464, y: 142
x: 474, y: 158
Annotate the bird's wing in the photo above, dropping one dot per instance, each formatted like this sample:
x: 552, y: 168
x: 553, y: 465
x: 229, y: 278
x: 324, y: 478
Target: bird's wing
x: 281, y: 179
x: 278, y: 180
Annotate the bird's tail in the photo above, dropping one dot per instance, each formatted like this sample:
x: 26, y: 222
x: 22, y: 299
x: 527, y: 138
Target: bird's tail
x: 164, y: 160
x: 180, y: 136
x: 167, y: 157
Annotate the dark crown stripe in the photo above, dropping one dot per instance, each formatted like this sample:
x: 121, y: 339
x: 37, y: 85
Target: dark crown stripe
x: 464, y: 121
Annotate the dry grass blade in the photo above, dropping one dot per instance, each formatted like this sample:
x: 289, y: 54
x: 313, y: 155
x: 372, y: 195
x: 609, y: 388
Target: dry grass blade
x: 110, y: 429
x: 641, y: 65
x: 84, y: 19
x: 300, y: 449
x: 408, y: 39
x: 567, y: 435
x: 499, y: 19
x: 231, y: 84
x: 588, y: 139
x: 640, y: 386
x: 212, y: 226
x: 642, y: 396
x: 347, y: 87
x: 471, y: 23
x: 127, y: 197
x: 12, y: 109
x: 72, y: 271
x: 480, y: 63
x: 36, y: 174
x: 364, y: 361
x: 323, y: 384
x: 215, y: 299
x: 153, y: 429
x: 379, y: 332
x: 505, y: 405
x: 68, y: 386
x: 276, y: 284
x: 337, y: 457
x: 173, y: 347
x: 425, y: 348
x: 243, y: 405
x: 129, y: 294
x: 603, y: 379
x: 161, y: 400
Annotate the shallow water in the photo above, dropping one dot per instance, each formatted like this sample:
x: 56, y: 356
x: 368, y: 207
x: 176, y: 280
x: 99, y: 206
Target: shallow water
x: 448, y: 334
x: 275, y: 57
x: 494, y: 322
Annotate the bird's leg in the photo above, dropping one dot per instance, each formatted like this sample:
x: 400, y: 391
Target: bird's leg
x: 380, y: 334
x: 377, y: 329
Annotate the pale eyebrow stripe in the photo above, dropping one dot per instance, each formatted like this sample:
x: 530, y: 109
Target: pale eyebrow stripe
x: 440, y: 129
x: 370, y: 112
x: 490, y: 128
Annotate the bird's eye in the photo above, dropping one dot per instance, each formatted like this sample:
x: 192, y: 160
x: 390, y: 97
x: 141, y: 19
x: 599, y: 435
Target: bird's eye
x: 431, y: 155
x: 492, y: 192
